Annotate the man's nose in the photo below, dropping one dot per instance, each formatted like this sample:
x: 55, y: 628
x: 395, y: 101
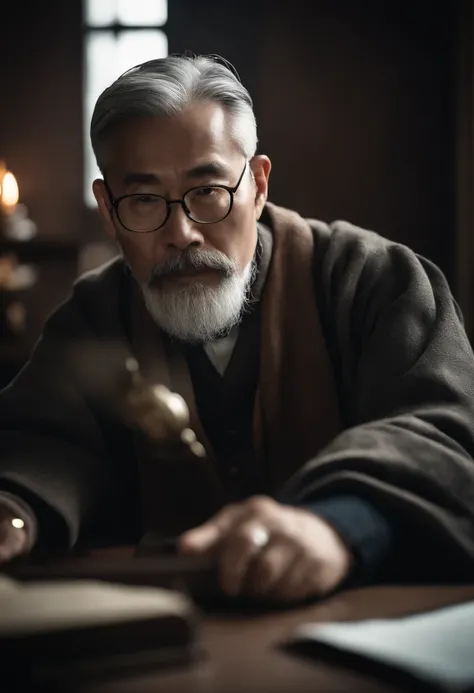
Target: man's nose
x: 180, y: 230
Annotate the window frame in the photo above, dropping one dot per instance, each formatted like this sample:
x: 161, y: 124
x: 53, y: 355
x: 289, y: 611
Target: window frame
x: 115, y: 29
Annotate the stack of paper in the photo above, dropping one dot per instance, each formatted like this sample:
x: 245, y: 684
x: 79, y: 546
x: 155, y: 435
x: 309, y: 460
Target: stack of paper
x: 435, y: 648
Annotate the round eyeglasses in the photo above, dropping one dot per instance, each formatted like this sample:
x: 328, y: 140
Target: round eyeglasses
x: 146, y: 212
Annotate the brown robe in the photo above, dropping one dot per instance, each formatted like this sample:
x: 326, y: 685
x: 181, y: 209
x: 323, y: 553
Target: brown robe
x: 340, y: 303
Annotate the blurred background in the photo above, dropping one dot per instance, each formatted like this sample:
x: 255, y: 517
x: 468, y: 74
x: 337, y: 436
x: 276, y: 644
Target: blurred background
x: 365, y: 108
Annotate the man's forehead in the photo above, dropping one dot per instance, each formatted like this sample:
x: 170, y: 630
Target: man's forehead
x: 188, y: 140
x: 205, y: 123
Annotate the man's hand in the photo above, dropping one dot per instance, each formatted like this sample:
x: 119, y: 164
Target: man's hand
x: 272, y: 551
x: 14, y: 540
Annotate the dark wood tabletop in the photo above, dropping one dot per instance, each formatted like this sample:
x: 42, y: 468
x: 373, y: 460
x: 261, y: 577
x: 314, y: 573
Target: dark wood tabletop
x: 243, y: 652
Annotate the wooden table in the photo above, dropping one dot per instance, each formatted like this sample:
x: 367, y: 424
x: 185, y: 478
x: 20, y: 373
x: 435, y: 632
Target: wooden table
x: 243, y: 653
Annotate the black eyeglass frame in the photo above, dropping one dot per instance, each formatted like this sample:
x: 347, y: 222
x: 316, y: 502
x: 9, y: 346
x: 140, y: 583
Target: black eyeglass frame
x: 115, y: 201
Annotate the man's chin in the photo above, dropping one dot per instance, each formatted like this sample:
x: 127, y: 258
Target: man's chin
x: 193, y: 311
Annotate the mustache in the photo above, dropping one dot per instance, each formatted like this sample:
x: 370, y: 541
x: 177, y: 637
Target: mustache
x: 193, y: 259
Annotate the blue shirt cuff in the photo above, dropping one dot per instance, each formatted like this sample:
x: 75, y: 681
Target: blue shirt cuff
x: 365, y: 530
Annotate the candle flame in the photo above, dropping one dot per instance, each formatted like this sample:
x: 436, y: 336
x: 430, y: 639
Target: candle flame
x: 9, y: 190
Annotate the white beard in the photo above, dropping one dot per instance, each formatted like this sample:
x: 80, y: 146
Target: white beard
x: 198, y: 312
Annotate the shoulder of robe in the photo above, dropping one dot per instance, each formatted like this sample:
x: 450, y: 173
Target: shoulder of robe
x: 342, y: 239
x: 101, y: 281
x: 93, y: 306
x: 339, y: 238
x: 364, y: 257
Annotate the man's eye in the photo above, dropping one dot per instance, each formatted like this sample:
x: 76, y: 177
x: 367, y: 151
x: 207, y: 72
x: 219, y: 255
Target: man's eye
x: 205, y: 192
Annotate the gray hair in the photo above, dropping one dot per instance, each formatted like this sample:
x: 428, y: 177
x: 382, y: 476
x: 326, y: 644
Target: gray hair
x: 164, y: 87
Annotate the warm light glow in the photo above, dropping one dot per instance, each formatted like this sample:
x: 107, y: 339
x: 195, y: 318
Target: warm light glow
x: 3, y: 170
x: 10, y: 193
x: 18, y: 523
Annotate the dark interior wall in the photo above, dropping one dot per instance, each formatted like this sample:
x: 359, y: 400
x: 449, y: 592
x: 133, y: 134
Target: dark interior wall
x: 41, y: 109
x: 356, y: 107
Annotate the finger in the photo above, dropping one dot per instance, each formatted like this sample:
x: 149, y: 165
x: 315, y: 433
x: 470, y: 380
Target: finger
x: 208, y: 535
x: 268, y: 568
x: 299, y: 582
x: 238, y: 550
x: 200, y: 539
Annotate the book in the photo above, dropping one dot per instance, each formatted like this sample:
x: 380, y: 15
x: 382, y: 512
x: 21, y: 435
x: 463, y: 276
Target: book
x: 68, y: 629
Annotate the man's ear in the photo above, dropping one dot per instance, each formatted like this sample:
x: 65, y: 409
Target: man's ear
x: 260, y: 166
x: 106, y: 211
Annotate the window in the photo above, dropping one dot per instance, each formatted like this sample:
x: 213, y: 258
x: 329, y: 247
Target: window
x: 118, y: 35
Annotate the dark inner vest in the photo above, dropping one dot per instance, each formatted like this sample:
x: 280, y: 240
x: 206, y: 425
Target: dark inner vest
x: 226, y: 405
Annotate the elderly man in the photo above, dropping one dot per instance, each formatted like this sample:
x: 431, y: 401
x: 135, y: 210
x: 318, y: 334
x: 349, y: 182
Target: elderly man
x: 326, y: 369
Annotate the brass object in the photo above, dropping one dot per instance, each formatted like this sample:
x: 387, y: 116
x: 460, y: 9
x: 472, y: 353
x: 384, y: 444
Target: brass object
x: 16, y: 316
x: 162, y: 415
